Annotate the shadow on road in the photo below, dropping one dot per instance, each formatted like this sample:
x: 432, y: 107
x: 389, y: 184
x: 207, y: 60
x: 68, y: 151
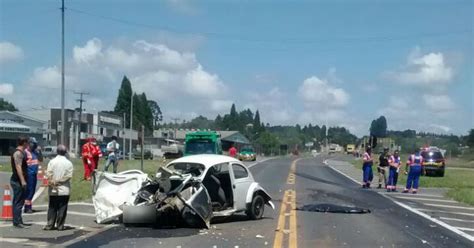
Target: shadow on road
x: 116, y: 234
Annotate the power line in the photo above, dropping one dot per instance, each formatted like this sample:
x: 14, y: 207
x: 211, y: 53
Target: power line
x: 235, y: 37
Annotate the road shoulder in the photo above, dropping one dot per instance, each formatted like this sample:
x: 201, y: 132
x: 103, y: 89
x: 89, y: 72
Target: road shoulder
x: 430, y: 203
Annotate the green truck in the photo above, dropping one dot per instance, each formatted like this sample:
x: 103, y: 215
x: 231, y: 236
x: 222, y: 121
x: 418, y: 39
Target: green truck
x: 202, y: 142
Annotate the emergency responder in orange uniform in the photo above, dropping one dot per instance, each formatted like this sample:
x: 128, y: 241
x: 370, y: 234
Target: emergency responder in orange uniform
x: 96, y: 153
x: 88, y: 151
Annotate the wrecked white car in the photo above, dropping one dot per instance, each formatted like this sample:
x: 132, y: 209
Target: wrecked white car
x: 193, y: 189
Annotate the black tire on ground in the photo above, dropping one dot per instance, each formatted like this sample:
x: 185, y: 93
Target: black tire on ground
x: 441, y: 173
x: 256, y: 208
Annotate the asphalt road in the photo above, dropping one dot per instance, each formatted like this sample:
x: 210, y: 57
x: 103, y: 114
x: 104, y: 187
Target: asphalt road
x: 388, y: 225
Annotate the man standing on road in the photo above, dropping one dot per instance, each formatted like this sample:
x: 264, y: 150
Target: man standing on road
x: 59, y: 174
x: 33, y: 158
x: 367, y: 168
x: 112, y: 149
x: 394, y: 169
x: 88, y: 158
x: 232, y: 151
x: 18, y: 181
x: 415, y: 162
x: 382, y: 168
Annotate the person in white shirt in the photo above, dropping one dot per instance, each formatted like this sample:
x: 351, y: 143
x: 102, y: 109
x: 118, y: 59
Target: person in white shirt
x: 112, y: 149
x: 59, y: 174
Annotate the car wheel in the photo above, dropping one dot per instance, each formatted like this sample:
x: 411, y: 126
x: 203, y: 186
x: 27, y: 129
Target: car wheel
x: 256, y: 208
x: 441, y: 173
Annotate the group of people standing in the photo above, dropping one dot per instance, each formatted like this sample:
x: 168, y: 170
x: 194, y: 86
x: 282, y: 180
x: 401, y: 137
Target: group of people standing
x: 390, y: 164
x: 91, y: 153
x: 25, y: 162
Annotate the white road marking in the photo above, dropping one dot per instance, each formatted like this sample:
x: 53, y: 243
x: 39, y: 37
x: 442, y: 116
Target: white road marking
x: 465, y: 229
x: 88, y: 235
x: 395, y: 194
x: 258, y: 162
x: 24, y: 242
x: 38, y: 193
x: 418, y: 212
x: 70, y: 204
x: 447, y: 206
x: 68, y: 212
x: 423, y: 199
x: 446, y: 212
x: 454, y: 219
x: 85, y: 228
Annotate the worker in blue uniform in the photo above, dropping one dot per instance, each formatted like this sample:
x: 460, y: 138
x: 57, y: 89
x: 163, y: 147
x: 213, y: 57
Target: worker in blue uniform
x: 33, y: 158
x: 415, y: 163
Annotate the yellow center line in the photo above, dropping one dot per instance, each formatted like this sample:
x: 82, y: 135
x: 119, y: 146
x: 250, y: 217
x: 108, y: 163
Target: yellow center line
x: 287, y: 210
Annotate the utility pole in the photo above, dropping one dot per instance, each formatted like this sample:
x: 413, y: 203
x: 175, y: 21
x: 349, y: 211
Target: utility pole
x: 79, y: 119
x: 142, y: 139
x: 131, y: 125
x: 63, y: 114
x: 123, y: 137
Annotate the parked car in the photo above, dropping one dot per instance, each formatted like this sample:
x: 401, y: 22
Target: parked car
x: 137, y: 154
x: 433, y: 162
x: 49, y: 151
x: 247, y: 154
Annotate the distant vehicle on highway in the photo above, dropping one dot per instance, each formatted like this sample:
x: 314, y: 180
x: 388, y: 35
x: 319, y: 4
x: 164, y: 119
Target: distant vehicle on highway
x: 433, y: 161
x: 173, y: 149
x: 350, y: 148
x: 247, y: 154
x: 49, y: 151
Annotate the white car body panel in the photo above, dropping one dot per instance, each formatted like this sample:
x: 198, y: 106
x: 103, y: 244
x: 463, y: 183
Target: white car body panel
x: 111, y: 191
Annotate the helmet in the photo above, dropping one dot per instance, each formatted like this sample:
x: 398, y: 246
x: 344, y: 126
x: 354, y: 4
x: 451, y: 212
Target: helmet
x: 32, y: 140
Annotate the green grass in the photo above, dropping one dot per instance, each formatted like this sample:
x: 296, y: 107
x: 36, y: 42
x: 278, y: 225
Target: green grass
x: 460, y: 183
x: 82, y: 190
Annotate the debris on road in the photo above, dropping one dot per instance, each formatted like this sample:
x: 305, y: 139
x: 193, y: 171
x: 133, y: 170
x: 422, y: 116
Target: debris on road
x: 332, y: 208
x: 259, y: 236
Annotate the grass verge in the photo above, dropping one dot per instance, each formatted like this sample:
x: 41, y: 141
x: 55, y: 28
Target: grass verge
x: 460, y: 183
x: 82, y: 190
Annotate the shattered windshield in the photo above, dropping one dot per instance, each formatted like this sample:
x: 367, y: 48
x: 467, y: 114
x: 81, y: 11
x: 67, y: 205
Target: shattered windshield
x: 200, y: 147
x: 194, y: 169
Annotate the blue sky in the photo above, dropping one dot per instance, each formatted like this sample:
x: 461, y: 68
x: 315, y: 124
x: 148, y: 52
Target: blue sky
x: 341, y: 62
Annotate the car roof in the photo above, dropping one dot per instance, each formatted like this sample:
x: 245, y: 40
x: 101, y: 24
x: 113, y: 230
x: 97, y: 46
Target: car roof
x: 207, y: 160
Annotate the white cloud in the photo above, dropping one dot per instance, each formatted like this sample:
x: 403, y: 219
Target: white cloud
x: 183, y: 6
x: 89, y: 52
x: 439, y: 102
x: 425, y: 70
x: 6, y: 89
x: 406, y: 112
x: 10, y: 52
x: 220, y: 106
x: 273, y: 106
x: 318, y: 91
x: 176, y: 79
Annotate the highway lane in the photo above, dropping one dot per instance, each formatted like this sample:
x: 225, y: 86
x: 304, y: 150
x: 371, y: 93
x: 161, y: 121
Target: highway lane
x: 311, y: 182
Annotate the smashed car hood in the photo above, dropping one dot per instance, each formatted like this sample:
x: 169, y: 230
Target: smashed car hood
x: 111, y: 191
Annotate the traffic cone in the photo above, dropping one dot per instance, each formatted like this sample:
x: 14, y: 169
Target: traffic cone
x: 45, y: 181
x: 7, y: 210
x: 40, y: 174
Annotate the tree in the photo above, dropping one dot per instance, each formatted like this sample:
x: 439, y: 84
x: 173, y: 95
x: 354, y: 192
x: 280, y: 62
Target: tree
x: 5, y: 105
x: 470, y: 138
x: 123, y: 100
x: 268, y: 142
x: 156, y: 112
x: 378, y: 127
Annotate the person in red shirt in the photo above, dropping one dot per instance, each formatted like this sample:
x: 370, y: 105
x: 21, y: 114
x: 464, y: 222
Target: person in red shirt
x: 96, y: 154
x: 232, y: 151
x: 88, y: 151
